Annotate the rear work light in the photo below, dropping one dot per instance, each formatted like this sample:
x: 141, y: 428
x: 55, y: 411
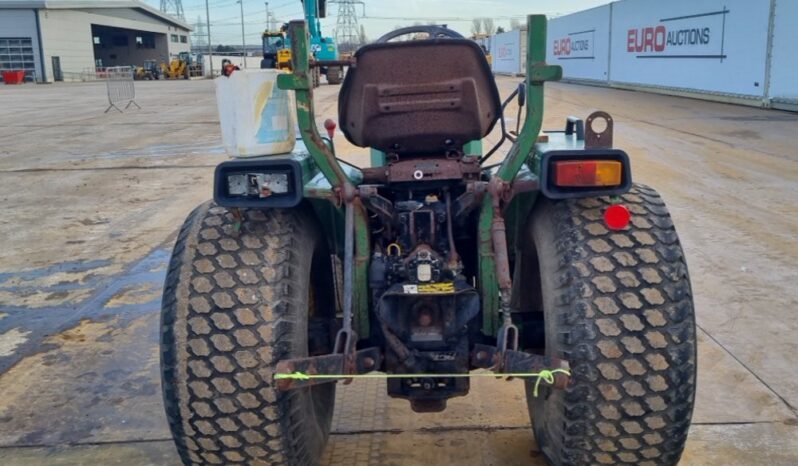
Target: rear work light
x: 258, y: 182
x: 585, y: 173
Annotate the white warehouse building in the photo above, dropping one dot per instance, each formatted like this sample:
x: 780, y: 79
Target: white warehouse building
x: 59, y: 40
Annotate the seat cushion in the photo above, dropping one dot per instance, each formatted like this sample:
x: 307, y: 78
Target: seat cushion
x: 418, y: 97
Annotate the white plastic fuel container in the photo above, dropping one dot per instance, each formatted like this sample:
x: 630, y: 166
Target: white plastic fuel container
x: 257, y: 117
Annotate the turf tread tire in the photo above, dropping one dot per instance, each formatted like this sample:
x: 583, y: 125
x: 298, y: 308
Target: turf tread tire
x: 234, y: 304
x: 618, y: 306
x: 334, y: 75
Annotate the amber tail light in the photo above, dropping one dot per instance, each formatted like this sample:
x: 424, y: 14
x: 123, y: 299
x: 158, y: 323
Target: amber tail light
x: 588, y: 173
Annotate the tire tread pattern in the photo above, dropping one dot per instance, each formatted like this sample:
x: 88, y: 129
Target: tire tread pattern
x: 624, y: 319
x: 229, y: 314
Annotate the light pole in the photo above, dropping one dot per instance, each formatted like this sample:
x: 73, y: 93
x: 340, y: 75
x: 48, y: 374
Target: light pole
x: 210, y: 47
x: 243, y: 40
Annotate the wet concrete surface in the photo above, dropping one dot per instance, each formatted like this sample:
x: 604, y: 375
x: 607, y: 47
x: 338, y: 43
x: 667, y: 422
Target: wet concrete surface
x: 92, y: 297
x: 92, y: 203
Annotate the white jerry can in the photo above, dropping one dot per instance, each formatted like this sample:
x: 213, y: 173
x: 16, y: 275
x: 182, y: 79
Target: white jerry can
x: 257, y: 117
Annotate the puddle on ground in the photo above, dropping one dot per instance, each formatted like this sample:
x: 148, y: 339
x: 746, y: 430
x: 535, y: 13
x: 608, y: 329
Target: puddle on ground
x: 83, y: 330
x: 143, y: 293
x: 83, y: 293
x: 10, y: 340
x: 60, y: 285
x: 97, y: 381
x: 10, y: 280
x: 36, y: 299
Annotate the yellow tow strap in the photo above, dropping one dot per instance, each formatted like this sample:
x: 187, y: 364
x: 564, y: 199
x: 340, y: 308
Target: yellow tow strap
x: 546, y: 375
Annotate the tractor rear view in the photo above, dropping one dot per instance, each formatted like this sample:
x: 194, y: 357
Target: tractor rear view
x: 550, y: 266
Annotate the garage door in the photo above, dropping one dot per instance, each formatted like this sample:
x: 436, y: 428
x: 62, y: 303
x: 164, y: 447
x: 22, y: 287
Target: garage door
x: 16, y: 53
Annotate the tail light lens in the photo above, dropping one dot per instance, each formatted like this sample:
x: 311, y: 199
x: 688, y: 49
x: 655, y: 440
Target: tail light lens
x: 586, y: 173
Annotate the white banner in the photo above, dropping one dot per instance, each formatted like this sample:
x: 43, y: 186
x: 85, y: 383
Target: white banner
x: 505, y: 50
x: 580, y: 44
x: 706, y: 45
x: 784, y: 64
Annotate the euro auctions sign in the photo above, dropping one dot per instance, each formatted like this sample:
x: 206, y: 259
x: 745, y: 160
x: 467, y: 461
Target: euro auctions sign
x: 575, y: 45
x: 506, y: 51
x: 700, y: 35
x: 717, y: 46
x: 580, y: 44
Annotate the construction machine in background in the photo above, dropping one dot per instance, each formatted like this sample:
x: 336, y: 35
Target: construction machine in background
x: 175, y: 69
x: 277, y: 45
x: 148, y: 72
x: 276, y: 50
x: 184, y: 66
x: 323, y: 48
x: 194, y: 64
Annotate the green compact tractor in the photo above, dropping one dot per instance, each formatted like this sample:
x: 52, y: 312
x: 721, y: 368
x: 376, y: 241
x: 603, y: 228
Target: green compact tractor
x: 550, y: 267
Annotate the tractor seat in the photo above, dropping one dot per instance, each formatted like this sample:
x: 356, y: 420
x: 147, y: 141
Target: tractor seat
x: 418, y: 97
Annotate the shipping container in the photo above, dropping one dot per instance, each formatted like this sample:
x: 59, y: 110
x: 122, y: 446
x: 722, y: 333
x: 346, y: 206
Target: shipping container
x: 740, y: 51
x: 715, y: 46
x: 505, y: 51
x: 783, y: 88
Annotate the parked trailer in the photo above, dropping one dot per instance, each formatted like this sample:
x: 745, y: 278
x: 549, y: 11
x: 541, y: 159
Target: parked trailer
x: 733, y: 51
x: 782, y: 89
x: 505, y: 51
x: 580, y: 44
x: 708, y: 46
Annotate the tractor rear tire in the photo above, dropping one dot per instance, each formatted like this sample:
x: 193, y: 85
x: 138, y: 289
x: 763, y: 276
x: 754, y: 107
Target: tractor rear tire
x: 334, y: 75
x: 237, y: 300
x: 618, y: 306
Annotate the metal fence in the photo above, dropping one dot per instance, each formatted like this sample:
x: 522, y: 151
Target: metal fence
x: 95, y: 73
x: 119, y: 82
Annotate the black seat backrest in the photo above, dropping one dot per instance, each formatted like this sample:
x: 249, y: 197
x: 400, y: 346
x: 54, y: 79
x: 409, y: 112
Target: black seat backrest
x: 418, y: 97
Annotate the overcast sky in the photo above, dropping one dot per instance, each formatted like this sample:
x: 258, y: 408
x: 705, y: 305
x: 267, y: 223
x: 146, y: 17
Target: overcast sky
x: 381, y: 15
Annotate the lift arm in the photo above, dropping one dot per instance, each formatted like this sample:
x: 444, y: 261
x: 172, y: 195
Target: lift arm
x: 493, y: 265
x: 314, y: 10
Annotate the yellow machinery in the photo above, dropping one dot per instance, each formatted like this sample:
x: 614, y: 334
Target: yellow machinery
x: 276, y: 50
x: 176, y: 69
x: 185, y: 66
x: 149, y: 71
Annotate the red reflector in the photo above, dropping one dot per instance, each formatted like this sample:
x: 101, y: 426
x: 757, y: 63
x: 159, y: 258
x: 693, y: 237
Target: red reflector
x: 330, y: 126
x: 617, y: 217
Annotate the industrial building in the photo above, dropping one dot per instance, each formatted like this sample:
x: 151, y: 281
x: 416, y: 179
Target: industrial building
x: 63, y: 40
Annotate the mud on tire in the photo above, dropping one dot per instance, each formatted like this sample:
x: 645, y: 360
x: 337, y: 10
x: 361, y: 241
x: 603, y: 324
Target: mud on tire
x: 234, y: 304
x: 618, y: 306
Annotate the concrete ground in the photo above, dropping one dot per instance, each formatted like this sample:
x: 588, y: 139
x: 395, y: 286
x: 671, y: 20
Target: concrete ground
x: 92, y: 201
